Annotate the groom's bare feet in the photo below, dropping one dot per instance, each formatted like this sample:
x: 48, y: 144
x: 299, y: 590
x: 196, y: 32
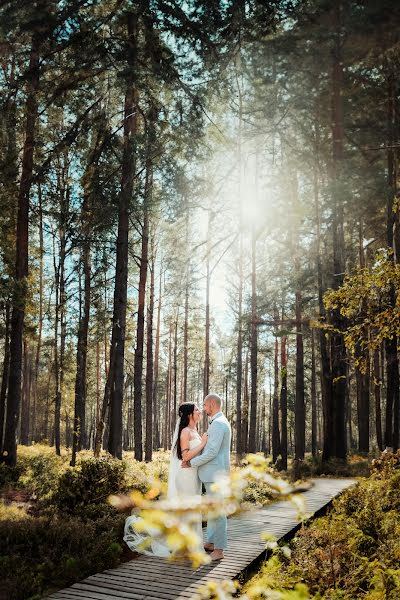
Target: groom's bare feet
x: 208, y: 547
x: 217, y: 554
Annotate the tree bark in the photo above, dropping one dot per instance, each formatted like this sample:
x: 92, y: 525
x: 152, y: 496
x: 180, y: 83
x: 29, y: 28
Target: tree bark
x: 60, y: 322
x: 115, y: 380
x: 338, y: 349
x: 377, y: 394
x: 168, y: 423
x: 40, y: 320
x: 392, y: 362
x: 253, y: 348
x: 25, y: 405
x: 276, y: 442
x: 325, y: 371
x: 139, y: 354
x: 283, y: 401
x: 245, y: 413
x: 150, y: 365
x: 186, y: 310
x: 9, y: 452
x: 314, y: 416
x: 206, y: 373
x: 363, y: 379
x: 5, y: 374
x: 156, y: 403
x: 239, y: 358
x: 83, y: 332
x: 363, y: 410
x: 300, y: 413
x: 175, y: 371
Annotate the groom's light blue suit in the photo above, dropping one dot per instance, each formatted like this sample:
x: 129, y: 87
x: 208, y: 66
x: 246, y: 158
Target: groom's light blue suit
x: 215, y: 461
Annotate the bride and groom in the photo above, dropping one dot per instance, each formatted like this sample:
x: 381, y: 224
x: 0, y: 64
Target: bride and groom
x: 195, y: 461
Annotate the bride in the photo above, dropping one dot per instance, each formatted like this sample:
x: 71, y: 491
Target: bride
x: 182, y: 482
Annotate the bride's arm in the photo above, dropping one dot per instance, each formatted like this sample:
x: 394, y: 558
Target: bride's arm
x: 188, y: 454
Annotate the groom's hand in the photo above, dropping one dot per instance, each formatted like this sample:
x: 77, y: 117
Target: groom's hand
x: 186, y: 464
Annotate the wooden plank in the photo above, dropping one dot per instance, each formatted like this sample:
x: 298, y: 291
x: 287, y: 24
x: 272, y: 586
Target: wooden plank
x: 152, y: 578
x: 85, y: 594
x: 158, y: 571
x: 82, y: 594
x: 136, y: 585
x: 88, y: 588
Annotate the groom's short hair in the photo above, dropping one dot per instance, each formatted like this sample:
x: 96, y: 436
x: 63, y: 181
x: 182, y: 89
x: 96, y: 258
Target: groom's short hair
x: 217, y: 399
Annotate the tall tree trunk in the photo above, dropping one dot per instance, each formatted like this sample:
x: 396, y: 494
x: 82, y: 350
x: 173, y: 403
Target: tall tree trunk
x: 300, y: 413
x: 25, y: 405
x: 363, y: 379
x: 283, y: 400
x: 175, y: 371
x: 40, y: 321
x: 276, y: 442
x: 240, y: 443
x: 9, y: 452
x: 326, y: 373
x: 50, y: 363
x: 156, y: 403
x: 270, y: 417
x: 186, y: 310
x: 239, y: 358
x: 245, y: 414
x: 392, y: 362
x: 206, y: 374
x: 150, y: 365
x: 57, y: 395
x: 314, y: 416
x: 60, y: 320
x: 168, y: 422
x: 263, y: 428
x: 98, y: 381
x: 82, y: 343
x: 115, y: 381
x: 139, y: 350
x: 101, y: 428
x: 5, y: 374
x: 338, y: 349
x: 377, y: 394
x: 253, y: 348
x: 363, y: 410
x: 63, y: 327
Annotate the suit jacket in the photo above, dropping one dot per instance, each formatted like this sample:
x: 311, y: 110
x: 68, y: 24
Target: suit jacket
x: 215, y: 458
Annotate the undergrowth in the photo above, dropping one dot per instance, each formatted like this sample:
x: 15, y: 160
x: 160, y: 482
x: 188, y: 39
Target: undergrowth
x: 56, y: 526
x: 353, y: 553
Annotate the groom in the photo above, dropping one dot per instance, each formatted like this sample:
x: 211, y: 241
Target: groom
x: 213, y: 462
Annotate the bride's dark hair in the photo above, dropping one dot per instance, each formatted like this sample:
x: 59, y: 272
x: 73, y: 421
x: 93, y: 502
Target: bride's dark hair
x: 185, y: 411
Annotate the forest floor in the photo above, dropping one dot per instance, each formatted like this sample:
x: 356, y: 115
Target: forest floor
x: 352, y: 553
x: 56, y: 526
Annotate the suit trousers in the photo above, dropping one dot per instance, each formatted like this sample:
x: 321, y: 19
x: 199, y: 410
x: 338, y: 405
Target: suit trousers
x: 216, y: 528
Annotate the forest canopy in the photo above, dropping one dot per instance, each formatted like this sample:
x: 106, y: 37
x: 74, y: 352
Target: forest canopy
x: 197, y: 197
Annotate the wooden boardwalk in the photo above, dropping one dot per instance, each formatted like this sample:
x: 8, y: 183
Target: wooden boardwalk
x: 148, y: 578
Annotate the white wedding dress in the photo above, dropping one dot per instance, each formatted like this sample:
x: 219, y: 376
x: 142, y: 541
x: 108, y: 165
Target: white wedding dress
x: 183, y: 483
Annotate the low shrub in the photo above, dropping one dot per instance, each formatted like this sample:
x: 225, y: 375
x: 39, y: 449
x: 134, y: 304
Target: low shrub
x: 385, y: 466
x: 9, y: 476
x: 37, y: 470
x: 257, y: 493
x: 355, y: 466
x: 89, y: 483
x: 40, y: 554
x: 41, y: 474
x: 353, y: 553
